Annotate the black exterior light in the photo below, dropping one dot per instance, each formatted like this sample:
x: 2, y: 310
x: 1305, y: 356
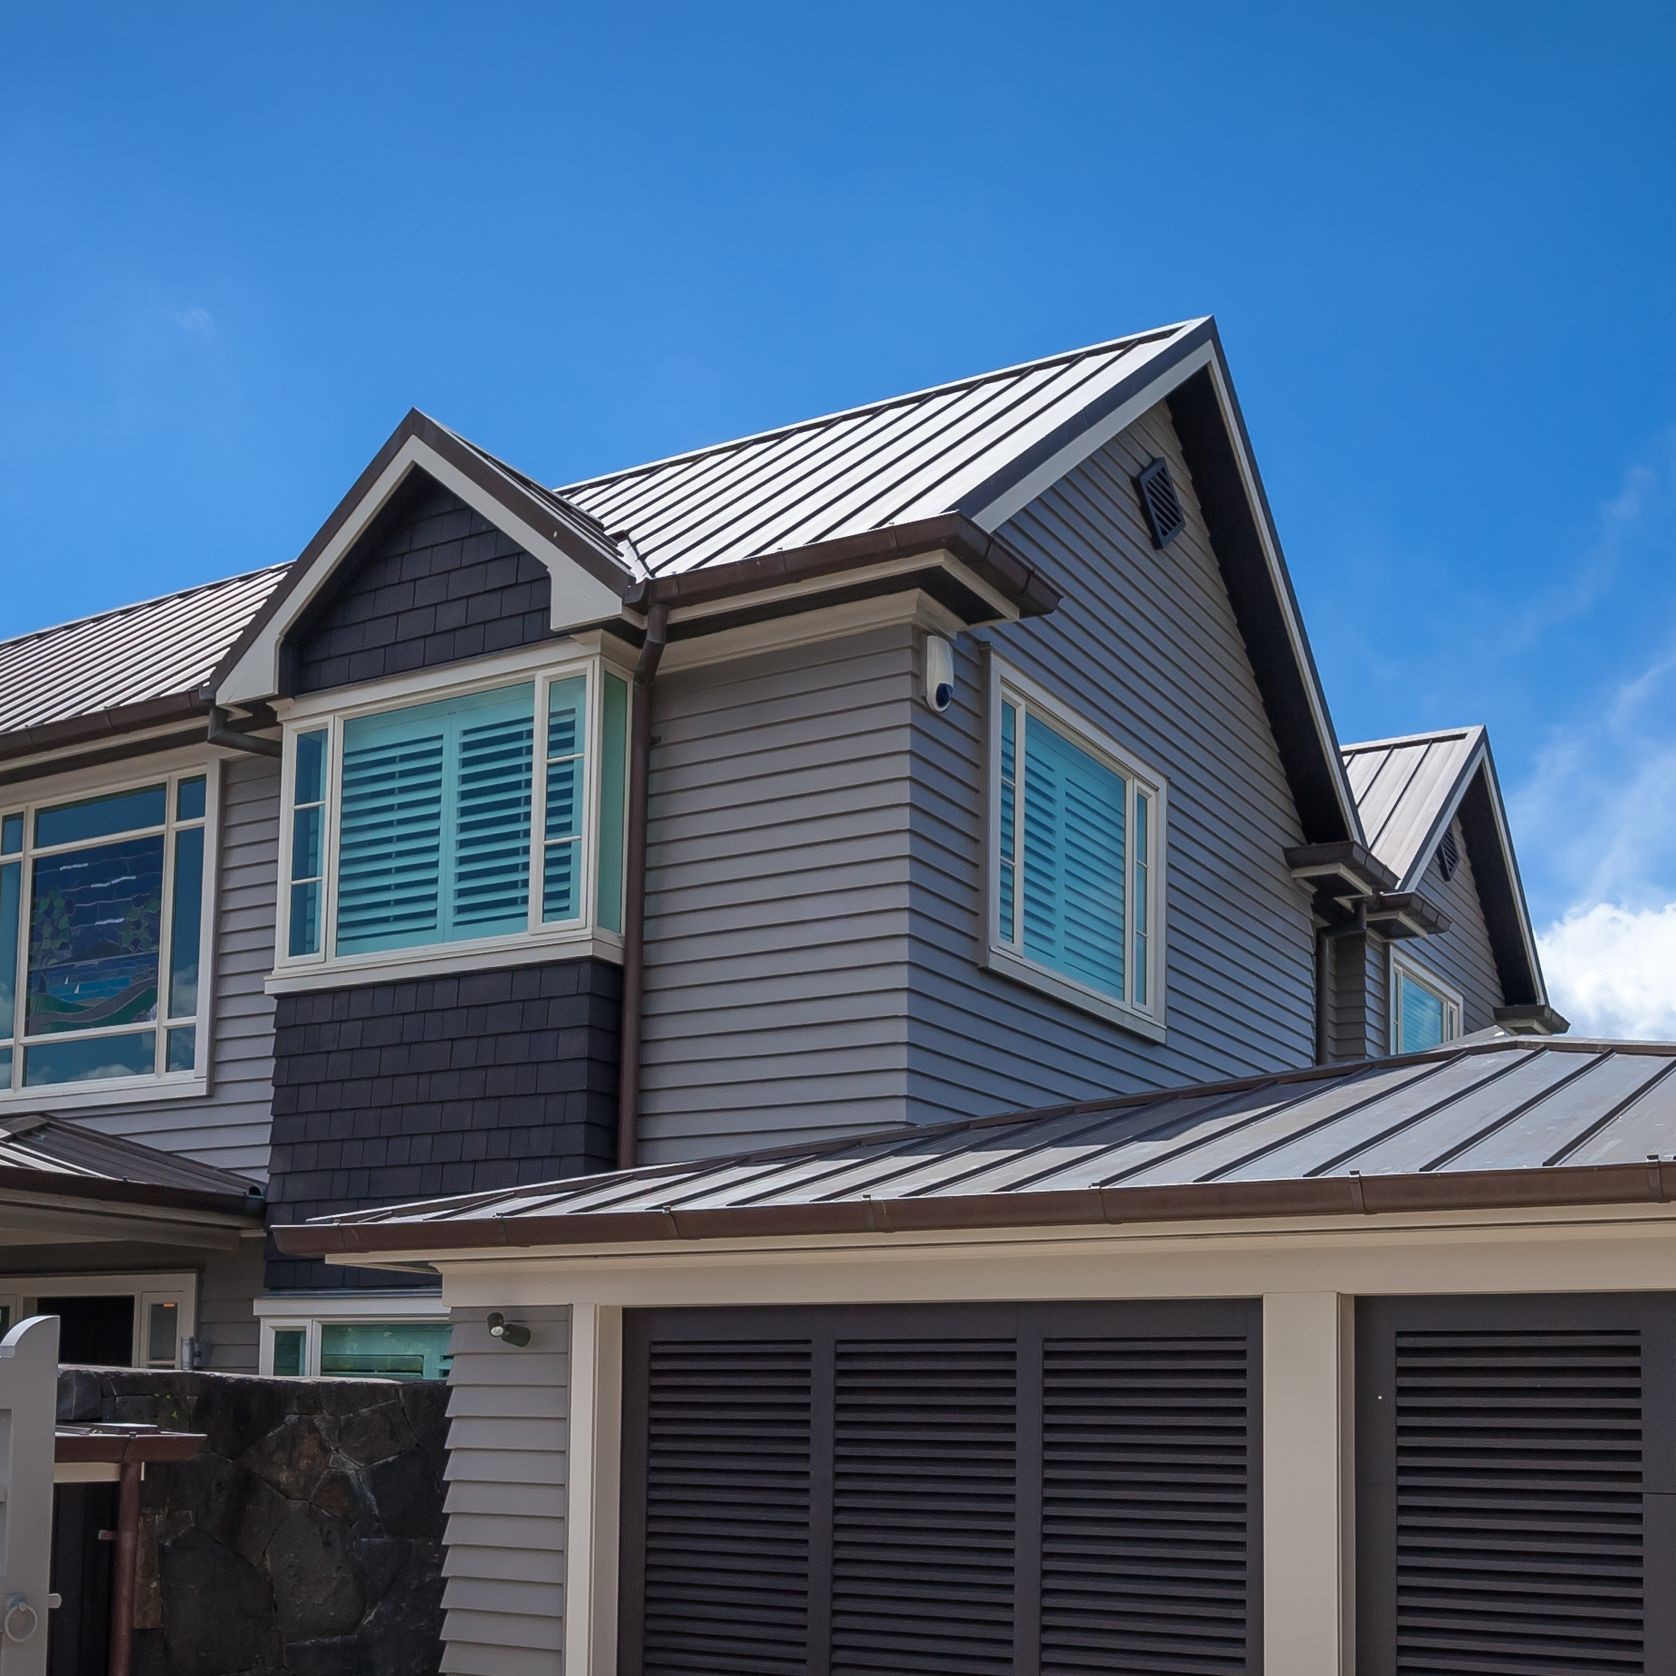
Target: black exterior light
x: 508, y: 1332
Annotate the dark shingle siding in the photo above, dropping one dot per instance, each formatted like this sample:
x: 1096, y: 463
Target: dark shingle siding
x: 437, y: 584
x: 429, y: 1086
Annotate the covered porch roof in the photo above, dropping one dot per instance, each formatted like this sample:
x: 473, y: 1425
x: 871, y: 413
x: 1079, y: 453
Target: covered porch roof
x: 1501, y: 1123
x: 63, y: 1182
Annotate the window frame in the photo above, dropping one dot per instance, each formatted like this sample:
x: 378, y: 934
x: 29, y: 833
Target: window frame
x: 1404, y: 965
x: 168, y: 770
x: 1008, y: 959
x: 310, y: 1316
x: 331, y: 711
x: 21, y: 1293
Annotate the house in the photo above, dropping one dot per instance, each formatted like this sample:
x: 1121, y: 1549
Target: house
x: 900, y: 771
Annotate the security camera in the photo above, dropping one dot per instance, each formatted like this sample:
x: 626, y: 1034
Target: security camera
x: 939, y: 673
x: 508, y: 1332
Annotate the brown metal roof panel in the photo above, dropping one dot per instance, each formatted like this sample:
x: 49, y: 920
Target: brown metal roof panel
x: 1544, y: 1133
x: 1640, y: 1128
x: 1401, y: 1101
x: 1430, y: 1140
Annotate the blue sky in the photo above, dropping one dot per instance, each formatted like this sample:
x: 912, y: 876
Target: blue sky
x: 240, y: 242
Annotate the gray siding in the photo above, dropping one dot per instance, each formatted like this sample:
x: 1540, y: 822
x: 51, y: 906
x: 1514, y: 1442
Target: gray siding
x: 1462, y: 956
x: 777, y: 897
x: 1145, y: 646
x: 229, y: 1126
x: 1349, y: 1022
x: 507, y: 1439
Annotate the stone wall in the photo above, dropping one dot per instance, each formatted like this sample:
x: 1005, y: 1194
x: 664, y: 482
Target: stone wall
x: 304, y: 1540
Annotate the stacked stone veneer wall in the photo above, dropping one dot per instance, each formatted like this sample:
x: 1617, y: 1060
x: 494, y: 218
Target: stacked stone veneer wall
x: 304, y: 1540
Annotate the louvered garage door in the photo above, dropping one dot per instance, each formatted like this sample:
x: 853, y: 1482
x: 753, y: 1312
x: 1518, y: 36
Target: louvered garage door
x: 1515, y: 1477
x: 1058, y: 1490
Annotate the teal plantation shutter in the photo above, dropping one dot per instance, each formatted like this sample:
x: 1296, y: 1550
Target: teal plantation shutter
x: 434, y: 822
x: 1074, y: 860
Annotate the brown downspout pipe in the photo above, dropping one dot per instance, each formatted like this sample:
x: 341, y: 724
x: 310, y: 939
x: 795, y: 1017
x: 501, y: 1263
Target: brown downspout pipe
x: 1325, y: 964
x: 121, y: 1660
x: 634, y: 885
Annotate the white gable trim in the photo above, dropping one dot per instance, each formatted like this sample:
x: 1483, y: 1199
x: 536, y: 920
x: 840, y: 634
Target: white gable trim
x: 578, y: 599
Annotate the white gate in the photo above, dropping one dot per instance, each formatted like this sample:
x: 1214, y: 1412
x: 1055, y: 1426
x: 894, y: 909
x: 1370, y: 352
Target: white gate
x: 28, y: 1430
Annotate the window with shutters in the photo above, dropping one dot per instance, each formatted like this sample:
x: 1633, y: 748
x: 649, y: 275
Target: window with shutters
x: 1077, y: 858
x: 485, y: 819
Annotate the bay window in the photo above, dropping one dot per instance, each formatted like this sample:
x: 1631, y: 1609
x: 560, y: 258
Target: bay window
x: 486, y: 818
x: 104, y: 936
x: 1077, y: 852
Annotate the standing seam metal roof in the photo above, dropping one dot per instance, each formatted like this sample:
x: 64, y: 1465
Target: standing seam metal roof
x: 161, y: 648
x: 891, y: 462
x: 1402, y: 787
x: 1547, y: 1106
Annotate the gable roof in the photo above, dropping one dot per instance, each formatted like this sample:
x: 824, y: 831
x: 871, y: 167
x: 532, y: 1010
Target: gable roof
x: 1410, y: 790
x: 1515, y: 1121
x: 892, y: 462
x: 131, y: 667
x: 899, y: 480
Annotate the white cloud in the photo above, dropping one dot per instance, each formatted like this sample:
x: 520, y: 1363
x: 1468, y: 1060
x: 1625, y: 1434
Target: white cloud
x: 1612, y: 970
x: 198, y: 321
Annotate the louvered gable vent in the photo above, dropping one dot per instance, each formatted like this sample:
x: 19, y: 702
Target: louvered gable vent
x: 1160, y: 502
x: 1449, y: 854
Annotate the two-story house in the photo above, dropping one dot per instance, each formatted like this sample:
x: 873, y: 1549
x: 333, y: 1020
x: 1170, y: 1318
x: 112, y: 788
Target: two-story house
x: 902, y: 770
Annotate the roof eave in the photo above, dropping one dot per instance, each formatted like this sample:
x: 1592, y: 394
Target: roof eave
x: 1551, y: 1187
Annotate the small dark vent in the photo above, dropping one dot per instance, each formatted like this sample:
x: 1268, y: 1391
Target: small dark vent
x: 1160, y: 502
x: 1449, y: 854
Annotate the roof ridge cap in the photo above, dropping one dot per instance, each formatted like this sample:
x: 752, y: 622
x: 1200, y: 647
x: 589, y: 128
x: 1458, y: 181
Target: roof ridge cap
x: 1464, y: 731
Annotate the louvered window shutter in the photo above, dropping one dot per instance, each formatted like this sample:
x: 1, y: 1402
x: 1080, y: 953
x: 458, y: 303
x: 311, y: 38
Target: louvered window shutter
x: 1074, y: 878
x: 1065, y: 1489
x: 1513, y: 1508
x: 434, y: 822
x: 561, y: 865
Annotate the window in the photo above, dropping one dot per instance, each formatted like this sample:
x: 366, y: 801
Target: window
x: 1078, y: 849
x: 103, y: 935
x: 119, y: 1321
x: 487, y: 817
x: 1424, y: 1012
x: 353, y: 1347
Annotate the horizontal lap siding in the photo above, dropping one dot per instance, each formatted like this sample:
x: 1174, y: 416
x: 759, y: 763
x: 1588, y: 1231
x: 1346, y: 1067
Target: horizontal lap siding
x: 228, y: 1331
x: 507, y: 1475
x: 777, y: 897
x: 1462, y: 956
x: 229, y: 1126
x: 1146, y: 646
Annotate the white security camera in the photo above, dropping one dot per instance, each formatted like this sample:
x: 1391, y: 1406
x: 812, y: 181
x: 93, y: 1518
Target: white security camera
x: 939, y: 673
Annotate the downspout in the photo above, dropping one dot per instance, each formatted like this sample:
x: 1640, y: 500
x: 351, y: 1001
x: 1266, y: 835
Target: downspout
x: 220, y: 733
x: 634, y: 885
x: 120, y: 1655
x: 1325, y: 971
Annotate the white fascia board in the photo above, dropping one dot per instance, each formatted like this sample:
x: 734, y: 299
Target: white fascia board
x: 578, y: 599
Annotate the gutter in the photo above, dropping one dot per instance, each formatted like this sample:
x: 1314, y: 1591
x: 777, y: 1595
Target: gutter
x: 634, y: 885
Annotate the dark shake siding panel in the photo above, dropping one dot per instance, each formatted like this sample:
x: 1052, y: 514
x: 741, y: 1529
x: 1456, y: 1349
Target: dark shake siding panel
x: 507, y: 1475
x: 777, y: 897
x: 228, y: 1127
x: 431, y: 1086
x: 1462, y: 956
x: 1145, y: 646
x: 434, y: 583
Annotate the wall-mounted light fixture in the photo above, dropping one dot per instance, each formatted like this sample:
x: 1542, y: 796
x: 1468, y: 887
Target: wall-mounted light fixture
x: 508, y: 1332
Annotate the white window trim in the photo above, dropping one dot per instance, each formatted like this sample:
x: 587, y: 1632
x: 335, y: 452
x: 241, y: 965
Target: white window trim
x: 1454, y: 1011
x: 1009, y: 960
x: 309, y: 1314
x: 169, y: 769
x: 24, y: 1291
x: 542, y: 665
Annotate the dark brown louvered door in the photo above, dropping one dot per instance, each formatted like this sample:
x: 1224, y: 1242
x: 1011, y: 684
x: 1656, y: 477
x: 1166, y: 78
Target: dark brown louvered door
x: 1515, y: 1486
x: 1053, y: 1490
